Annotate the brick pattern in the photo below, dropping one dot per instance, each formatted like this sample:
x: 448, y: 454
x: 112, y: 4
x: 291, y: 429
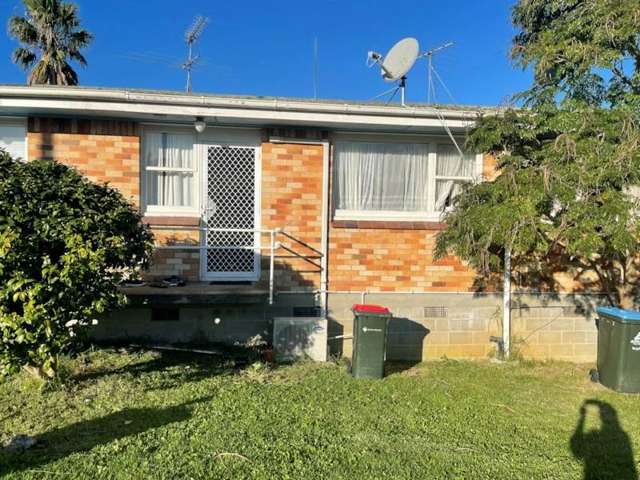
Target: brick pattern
x: 83, y: 126
x: 392, y: 260
x: 112, y: 159
x: 168, y: 262
x: 489, y: 167
x: 165, y: 263
x: 390, y: 256
x: 292, y: 201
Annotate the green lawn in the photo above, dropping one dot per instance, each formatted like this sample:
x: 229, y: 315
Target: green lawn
x: 149, y: 415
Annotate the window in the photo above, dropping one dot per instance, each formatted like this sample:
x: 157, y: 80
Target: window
x: 13, y: 138
x: 398, y: 181
x: 170, y: 172
x: 452, y: 171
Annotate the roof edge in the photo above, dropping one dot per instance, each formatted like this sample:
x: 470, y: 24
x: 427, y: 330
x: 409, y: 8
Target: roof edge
x: 276, y: 104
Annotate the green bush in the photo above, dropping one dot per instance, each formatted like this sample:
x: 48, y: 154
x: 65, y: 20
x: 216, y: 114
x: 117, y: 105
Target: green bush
x: 65, y: 244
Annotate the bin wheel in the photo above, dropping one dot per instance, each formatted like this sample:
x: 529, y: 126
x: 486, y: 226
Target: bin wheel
x: 594, y: 375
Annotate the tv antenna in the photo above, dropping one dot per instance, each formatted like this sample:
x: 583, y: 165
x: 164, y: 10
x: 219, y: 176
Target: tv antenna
x: 430, y: 70
x: 395, y: 65
x: 191, y: 36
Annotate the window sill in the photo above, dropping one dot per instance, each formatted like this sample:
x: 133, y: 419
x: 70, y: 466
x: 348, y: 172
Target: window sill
x: 388, y: 225
x: 385, y: 216
x: 171, y: 220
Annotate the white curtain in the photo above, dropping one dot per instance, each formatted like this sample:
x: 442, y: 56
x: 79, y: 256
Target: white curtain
x: 381, y: 176
x: 12, y: 140
x: 169, y: 188
x: 449, y: 163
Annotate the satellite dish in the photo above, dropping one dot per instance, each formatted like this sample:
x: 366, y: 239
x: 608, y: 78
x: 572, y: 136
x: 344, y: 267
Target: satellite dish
x: 399, y: 60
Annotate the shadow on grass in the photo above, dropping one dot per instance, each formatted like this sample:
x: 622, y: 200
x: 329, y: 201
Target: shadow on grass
x: 85, y: 435
x: 607, y: 452
x: 175, y: 366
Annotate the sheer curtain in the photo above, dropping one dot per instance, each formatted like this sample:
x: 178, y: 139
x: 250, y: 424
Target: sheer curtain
x: 12, y: 139
x: 170, y: 178
x: 381, y: 176
x: 449, y: 163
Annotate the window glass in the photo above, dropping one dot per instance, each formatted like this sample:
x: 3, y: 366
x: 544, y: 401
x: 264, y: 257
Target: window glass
x: 382, y: 176
x: 170, y: 172
x: 13, y: 140
x: 452, y: 172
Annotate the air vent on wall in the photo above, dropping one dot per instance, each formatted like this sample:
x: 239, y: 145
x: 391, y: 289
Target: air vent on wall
x: 306, y: 311
x: 165, y: 314
x: 435, y: 312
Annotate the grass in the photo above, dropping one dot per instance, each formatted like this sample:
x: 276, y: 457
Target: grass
x: 142, y: 414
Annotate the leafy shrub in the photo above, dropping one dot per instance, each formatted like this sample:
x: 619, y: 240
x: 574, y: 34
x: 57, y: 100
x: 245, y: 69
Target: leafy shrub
x: 65, y: 244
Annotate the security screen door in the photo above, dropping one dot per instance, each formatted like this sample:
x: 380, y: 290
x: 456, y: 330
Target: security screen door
x: 231, y: 214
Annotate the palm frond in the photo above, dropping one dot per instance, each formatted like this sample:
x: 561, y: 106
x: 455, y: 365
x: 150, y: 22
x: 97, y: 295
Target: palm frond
x: 78, y: 57
x: 50, y: 34
x: 24, y: 58
x: 23, y: 30
x: 80, y: 39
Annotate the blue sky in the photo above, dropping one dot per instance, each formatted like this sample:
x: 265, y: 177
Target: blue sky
x: 266, y: 47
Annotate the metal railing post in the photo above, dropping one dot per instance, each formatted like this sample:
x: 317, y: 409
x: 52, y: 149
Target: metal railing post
x: 272, y: 237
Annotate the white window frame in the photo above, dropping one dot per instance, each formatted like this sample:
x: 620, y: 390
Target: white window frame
x: 431, y: 215
x: 19, y: 122
x: 167, y: 210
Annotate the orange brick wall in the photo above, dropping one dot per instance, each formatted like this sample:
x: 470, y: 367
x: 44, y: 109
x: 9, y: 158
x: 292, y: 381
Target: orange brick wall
x: 373, y: 257
x: 392, y: 260
x: 292, y: 200
x: 166, y: 262
x: 103, y: 151
x: 377, y: 258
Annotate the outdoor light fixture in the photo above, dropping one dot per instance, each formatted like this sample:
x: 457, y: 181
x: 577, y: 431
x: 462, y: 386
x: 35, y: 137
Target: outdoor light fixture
x: 200, y: 125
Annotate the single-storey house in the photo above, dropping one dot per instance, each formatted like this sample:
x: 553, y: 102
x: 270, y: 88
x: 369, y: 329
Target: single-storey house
x: 281, y: 207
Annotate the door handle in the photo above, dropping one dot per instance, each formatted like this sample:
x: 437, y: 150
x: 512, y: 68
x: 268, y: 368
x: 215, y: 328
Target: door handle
x: 209, y: 209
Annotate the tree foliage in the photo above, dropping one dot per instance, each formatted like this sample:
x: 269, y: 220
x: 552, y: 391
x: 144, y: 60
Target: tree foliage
x: 50, y: 35
x: 64, y: 245
x: 583, y: 50
x: 565, y: 199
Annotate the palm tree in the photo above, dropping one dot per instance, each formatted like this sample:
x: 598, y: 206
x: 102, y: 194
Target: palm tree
x: 49, y: 36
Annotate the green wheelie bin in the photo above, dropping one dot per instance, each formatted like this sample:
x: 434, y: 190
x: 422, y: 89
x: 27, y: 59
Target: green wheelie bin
x: 619, y: 349
x: 369, y: 340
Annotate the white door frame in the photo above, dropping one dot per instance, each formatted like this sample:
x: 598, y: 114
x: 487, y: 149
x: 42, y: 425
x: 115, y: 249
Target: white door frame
x: 231, y: 276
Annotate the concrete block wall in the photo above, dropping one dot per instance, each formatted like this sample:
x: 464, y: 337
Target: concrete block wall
x: 459, y: 325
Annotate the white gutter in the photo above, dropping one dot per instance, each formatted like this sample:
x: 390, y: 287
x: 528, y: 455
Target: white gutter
x: 217, y: 108
x: 274, y: 104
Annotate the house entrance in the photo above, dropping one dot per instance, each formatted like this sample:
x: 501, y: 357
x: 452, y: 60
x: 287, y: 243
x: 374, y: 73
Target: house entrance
x: 231, y: 214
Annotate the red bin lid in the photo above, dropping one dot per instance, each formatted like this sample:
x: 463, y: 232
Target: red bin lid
x: 364, y: 308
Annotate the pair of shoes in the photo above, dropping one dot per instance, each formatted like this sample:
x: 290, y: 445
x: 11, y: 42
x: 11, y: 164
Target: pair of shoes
x: 133, y: 283
x: 173, y: 281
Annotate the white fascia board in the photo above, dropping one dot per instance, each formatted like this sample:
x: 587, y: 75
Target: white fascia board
x: 222, y: 115
x: 244, y: 109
